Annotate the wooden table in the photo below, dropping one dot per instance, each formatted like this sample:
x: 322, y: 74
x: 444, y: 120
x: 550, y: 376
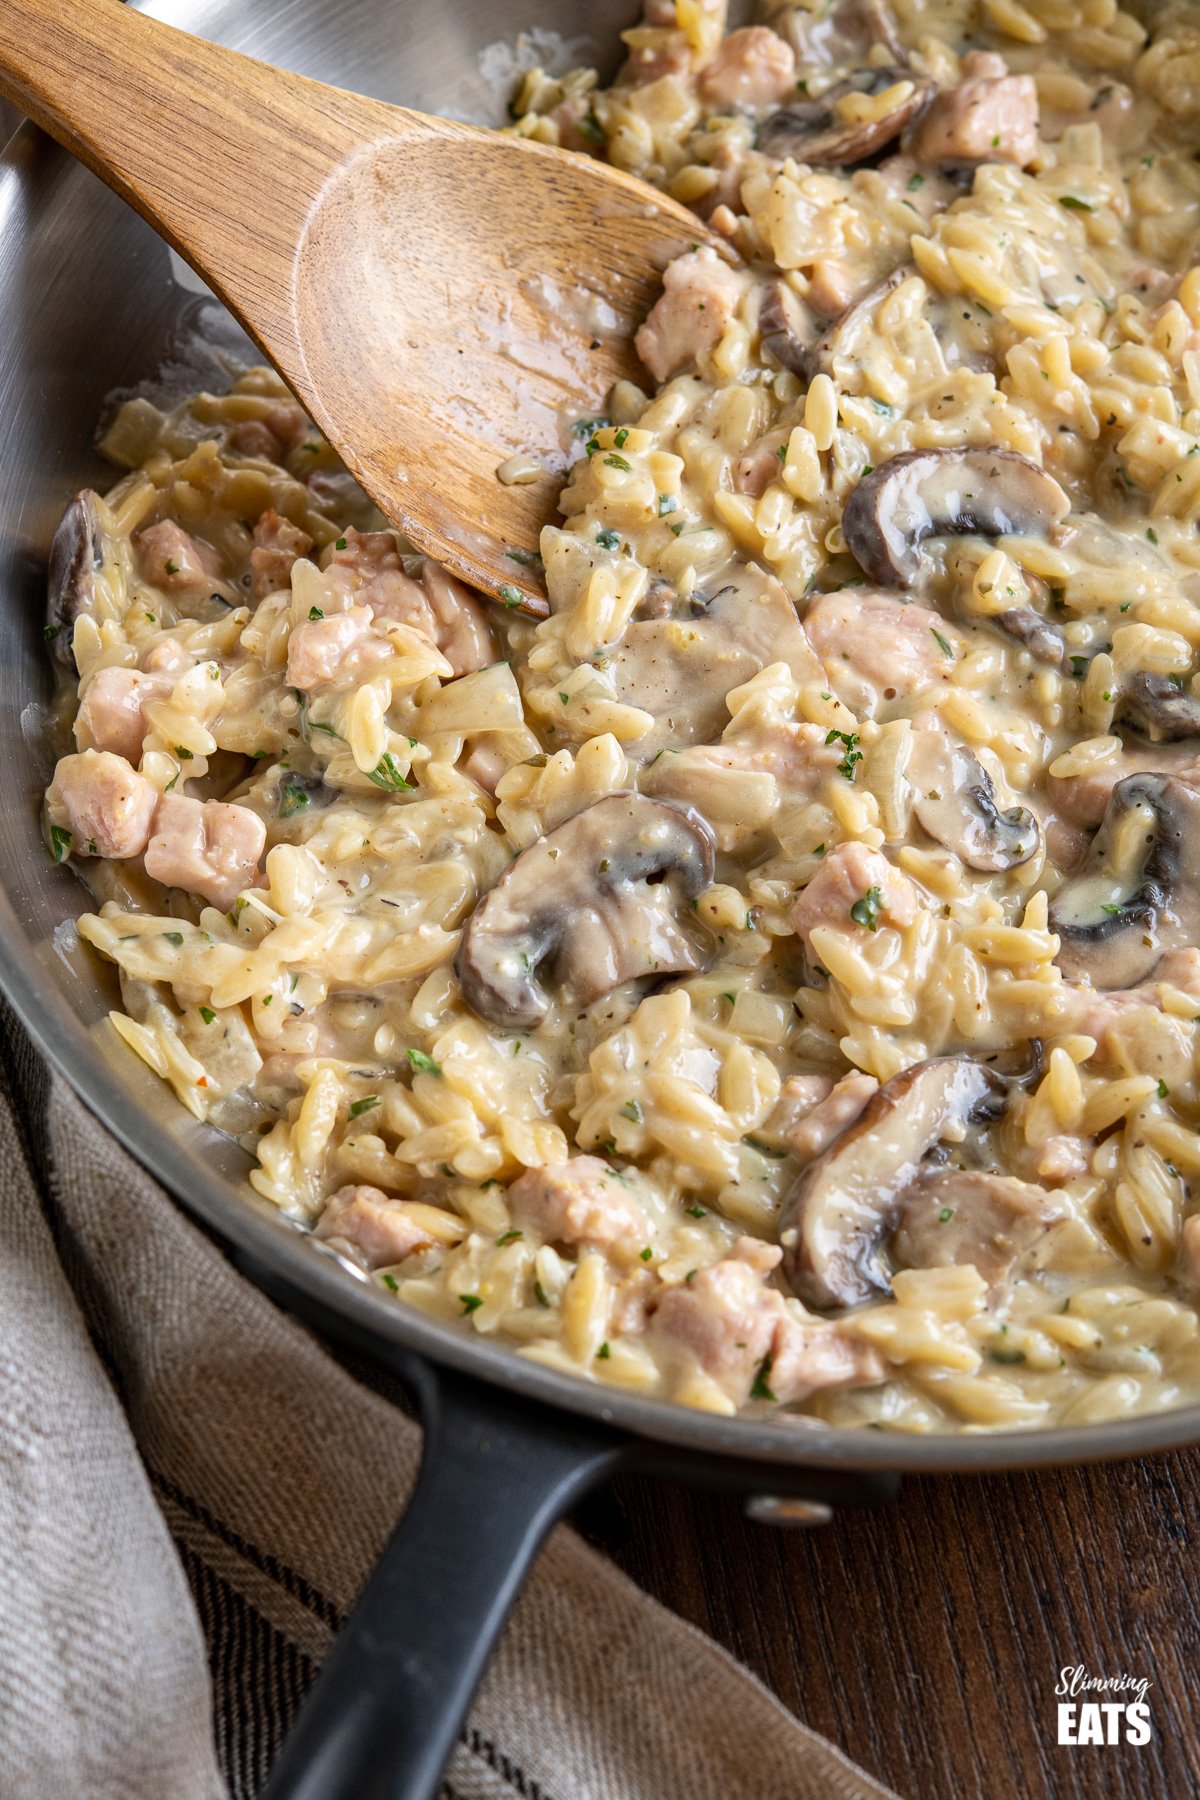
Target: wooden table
x: 926, y: 1639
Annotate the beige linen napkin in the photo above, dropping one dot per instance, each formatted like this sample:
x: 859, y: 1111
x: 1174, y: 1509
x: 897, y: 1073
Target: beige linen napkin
x: 192, y: 1491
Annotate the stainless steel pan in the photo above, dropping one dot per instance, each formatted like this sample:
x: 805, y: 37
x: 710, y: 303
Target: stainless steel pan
x: 89, y: 303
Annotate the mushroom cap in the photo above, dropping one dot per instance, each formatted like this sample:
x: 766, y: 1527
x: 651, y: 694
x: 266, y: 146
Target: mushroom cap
x: 1043, y: 640
x: 581, y: 896
x: 1137, y: 893
x: 811, y: 132
x: 956, y: 805
x: 835, y: 1219
x: 77, y: 551
x: 1158, y: 710
x: 939, y: 493
x: 952, y: 1216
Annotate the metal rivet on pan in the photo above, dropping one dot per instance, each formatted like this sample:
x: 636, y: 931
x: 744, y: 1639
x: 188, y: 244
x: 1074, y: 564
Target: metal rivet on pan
x: 787, y: 1509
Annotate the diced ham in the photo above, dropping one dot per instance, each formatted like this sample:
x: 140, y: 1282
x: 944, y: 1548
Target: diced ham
x: 751, y: 67
x: 746, y: 1335
x: 289, y: 422
x: 168, y: 653
x: 277, y: 545
x: 1093, y: 1012
x: 340, y: 649
x: 700, y: 296
x: 367, y: 565
x: 991, y: 116
x: 105, y: 805
x: 580, y: 1201
x: 831, y: 1115
x: 379, y: 1230
x: 876, y: 649
x: 169, y: 558
x: 254, y: 437
x: 654, y: 62
x: 1063, y: 1157
x: 111, y: 715
x: 850, y: 874
x: 1083, y: 799
x: 205, y: 847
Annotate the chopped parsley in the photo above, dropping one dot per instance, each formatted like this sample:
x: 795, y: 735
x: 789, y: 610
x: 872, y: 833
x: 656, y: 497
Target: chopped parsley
x: 358, y: 1107
x: 603, y: 1353
x: 1111, y: 907
x: 471, y: 1302
x: 942, y: 644
x: 590, y: 127
x: 510, y: 595
x: 608, y: 540
x: 587, y: 428
x: 207, y: 1014
x: 422, y: 1064
x: 182, y: 754
x: 618, y: 462
x: 341, y: 544
x: 1152, y: 534
x: 174, y: 937
x: 1073, y: 203
x: 759, y: 1388
x: 853, y: 754
x: 386, y: 774
x: 1163, y: 1089
x: 172, y: 567
x: 529, y: 559
x: 866, y: 911
x: 667, y: 503
x: 510, y: 1237
x: 945, y: 1216
x: 60, y: 843
x: 389, y: 1281
x: 646, y: 1254
x: 293, y: 796
x: 621, y: 438
x: 540, y: 1294
x: 696, y: 1212
x: 914, y: 182
x: 314, y: 612
x: 632, y: 1111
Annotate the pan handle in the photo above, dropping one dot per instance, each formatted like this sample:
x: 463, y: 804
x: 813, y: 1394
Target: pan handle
x: 391, y: 1698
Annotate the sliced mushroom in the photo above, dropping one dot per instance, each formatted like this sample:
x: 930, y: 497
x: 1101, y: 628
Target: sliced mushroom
x: 956, y: 804
x: 1155, y: 707
x: 680, y: 673
x: 940, y: 493
x: 839, y: 35
x: 951, y: 1217
x: 78, y: 551
x: 582, y: 901
x: 1044, y: 641
x: 1137, y: 894
x: 837, y: 1217
x: 811, y: 131
x: 786, y: 329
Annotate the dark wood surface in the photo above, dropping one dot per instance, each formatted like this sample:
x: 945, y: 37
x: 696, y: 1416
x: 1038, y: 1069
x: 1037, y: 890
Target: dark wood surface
x: 926, y: 1638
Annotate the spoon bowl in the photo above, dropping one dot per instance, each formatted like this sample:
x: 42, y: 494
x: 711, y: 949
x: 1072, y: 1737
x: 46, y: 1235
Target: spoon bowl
x: 441, y: 299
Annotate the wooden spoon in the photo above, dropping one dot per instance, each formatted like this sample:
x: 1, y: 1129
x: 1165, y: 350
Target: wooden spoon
x: 438, y: 297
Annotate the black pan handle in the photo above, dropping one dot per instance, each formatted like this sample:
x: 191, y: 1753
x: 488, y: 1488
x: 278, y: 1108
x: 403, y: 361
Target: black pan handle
x: 391, y: 1698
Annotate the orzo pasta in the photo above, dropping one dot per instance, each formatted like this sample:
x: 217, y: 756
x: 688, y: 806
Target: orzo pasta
x: 772, y: 980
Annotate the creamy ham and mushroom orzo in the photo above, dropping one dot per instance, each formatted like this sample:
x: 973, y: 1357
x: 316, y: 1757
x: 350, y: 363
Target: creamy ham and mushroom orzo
x: 772, y: 979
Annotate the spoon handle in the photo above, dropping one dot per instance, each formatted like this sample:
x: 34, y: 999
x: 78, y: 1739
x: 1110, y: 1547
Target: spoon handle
x: 222, y: 154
